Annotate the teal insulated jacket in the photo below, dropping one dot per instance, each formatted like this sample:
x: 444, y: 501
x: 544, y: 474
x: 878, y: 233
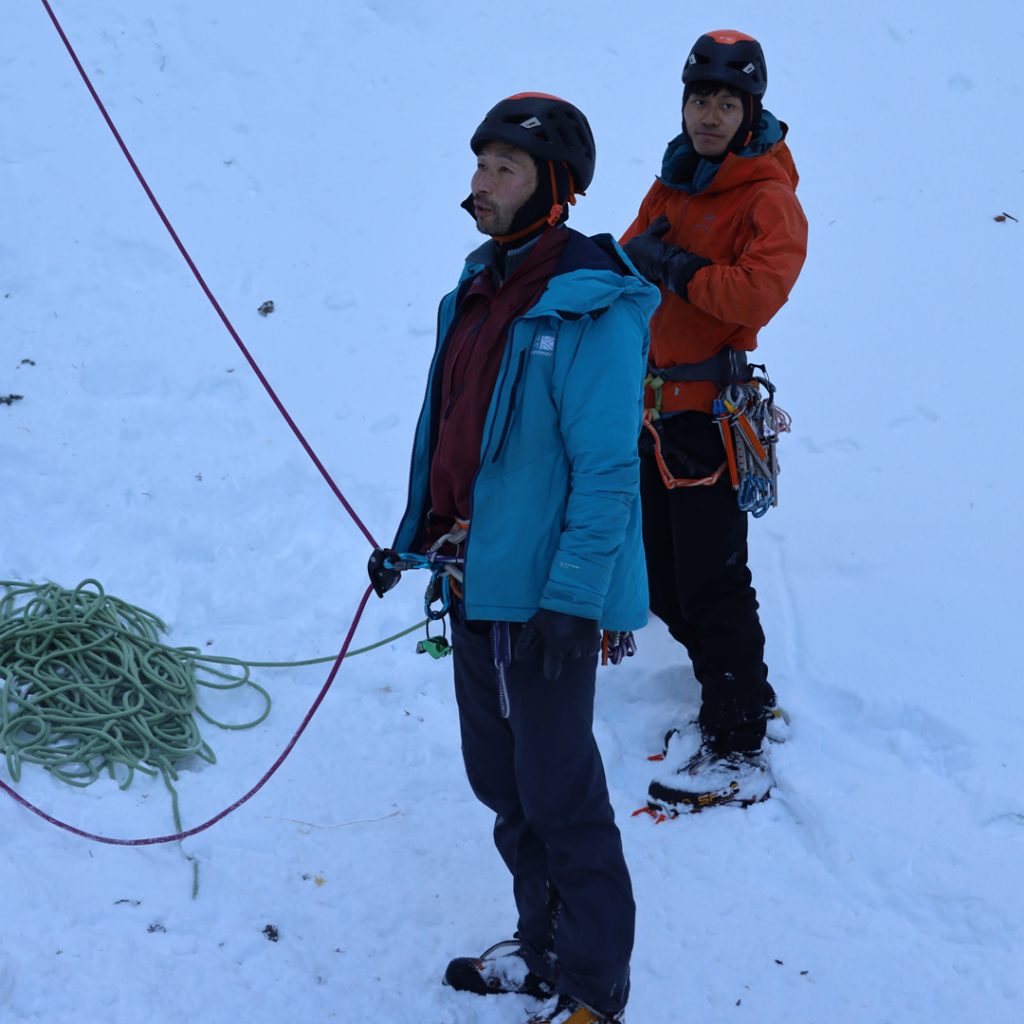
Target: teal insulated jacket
x: 556, y: 504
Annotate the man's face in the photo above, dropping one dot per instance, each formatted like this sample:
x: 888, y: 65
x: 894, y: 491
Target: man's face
x: 505, y: 178
x: 712, y: 121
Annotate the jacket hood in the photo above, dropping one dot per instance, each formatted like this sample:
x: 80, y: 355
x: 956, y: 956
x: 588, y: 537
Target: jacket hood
x: 592, y: 274
x: 765, y: 158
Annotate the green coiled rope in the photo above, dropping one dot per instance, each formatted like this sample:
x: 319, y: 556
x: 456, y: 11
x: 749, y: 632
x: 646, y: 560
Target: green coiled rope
x: 89, y: 688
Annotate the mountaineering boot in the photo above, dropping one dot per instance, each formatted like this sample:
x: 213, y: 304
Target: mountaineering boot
x: 565, y: 1009
x: 497, y: 971
x: 777, y: 729
x: 709, y: 777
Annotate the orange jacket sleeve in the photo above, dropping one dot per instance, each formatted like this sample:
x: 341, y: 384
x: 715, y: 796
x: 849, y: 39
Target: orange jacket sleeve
x: 772, y: 249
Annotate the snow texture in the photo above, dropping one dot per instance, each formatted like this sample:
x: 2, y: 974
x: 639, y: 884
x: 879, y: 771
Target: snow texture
x: 315, y: 154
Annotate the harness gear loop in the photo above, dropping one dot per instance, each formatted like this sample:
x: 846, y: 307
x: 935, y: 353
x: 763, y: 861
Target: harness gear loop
x: 652, y: 426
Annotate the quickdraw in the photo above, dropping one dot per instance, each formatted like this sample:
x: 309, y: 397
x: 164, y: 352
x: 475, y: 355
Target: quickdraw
x: 750, y: 423
x: 616, y: 645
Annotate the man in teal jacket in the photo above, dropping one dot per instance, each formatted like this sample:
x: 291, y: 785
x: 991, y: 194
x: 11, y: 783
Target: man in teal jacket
x: 525, y: 470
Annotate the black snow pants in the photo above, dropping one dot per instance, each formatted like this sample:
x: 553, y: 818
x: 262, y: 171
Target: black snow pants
x: 541, y: 773
x: 695, y: 539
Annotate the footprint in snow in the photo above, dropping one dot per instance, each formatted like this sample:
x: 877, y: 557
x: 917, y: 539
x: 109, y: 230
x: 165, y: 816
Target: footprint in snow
x: 1009, y: 825
x: 922, y: 412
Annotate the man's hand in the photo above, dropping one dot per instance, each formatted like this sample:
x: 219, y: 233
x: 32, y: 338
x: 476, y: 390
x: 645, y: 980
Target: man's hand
x: 382, y: 578
x: 558, y: 636
x: 662, y: 263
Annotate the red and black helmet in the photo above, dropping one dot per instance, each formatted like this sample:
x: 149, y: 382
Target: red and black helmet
x: 546, y: 127
x: 729, y: 57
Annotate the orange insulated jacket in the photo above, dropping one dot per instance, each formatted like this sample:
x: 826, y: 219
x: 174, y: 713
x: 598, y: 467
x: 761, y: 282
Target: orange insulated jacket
x: 744, y: 216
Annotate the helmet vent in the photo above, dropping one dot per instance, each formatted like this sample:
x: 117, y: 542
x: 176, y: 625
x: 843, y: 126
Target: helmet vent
x: 546, y: 127
x: 728, y: 57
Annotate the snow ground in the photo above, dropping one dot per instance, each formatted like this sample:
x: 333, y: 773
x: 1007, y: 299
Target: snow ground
x: 316, y: 157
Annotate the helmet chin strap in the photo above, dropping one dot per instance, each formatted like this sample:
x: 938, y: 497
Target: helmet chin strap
x: 517, y: 236
x: 750, y: 133
x: 555, y: 215
x: 558, y: 208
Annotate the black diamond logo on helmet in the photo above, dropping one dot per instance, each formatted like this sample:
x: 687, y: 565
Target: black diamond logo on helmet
x: 531, y: 122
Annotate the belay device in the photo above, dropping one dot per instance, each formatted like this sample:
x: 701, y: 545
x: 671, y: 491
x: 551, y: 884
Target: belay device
x: 445, y: 572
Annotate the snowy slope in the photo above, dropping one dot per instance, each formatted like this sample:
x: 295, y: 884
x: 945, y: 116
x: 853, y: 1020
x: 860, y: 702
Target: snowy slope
x: 315, y: 155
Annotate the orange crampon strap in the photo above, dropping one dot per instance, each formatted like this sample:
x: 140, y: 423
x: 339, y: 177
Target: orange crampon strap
x: 656, y: 814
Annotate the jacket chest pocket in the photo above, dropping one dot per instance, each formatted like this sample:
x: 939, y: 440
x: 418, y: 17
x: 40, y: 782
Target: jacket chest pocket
x: 527, y: 423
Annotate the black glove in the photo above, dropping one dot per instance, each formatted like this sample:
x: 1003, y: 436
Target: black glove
x: 382, y: 578
x: 559, y: 636
x: 662, y: 263
x: 647, y: 250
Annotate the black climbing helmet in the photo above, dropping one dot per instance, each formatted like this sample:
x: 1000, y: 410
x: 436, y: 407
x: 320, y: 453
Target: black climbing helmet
x: 546, y: 127
x: 729, y: 57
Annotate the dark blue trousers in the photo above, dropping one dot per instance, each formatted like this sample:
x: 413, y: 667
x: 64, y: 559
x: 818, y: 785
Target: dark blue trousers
x: 540, y: 771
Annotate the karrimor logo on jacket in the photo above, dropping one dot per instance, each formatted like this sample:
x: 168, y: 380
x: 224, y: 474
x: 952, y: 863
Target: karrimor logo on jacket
x: 543, y: 345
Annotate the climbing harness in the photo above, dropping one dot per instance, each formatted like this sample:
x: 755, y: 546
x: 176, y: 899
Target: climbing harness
x: 749, y: 423
x: 726, y: 367
x: 729, y: 366
x: 446, y: 582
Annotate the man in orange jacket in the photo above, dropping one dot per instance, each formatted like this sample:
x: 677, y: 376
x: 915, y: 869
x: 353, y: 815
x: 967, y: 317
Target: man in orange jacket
x: 723, y: 235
